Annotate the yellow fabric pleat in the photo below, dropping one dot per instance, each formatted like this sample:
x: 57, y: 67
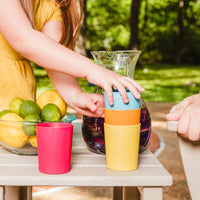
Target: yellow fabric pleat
x: 16, y: 75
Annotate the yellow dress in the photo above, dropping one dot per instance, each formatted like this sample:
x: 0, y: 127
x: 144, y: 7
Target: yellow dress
x: 16, y: 75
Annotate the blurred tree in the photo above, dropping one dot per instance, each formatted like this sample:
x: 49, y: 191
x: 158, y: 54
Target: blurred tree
x: 145, y: 15
x: 179, y: 31
x: 108, y: 24
x: 182, y: 7
x: 134, y: 23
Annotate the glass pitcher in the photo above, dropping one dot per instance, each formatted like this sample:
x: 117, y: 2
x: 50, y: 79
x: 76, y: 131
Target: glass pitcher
x: 121, y: 62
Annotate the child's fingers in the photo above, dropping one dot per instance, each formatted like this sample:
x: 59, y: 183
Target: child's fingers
x: 86, y: 112
x: 136, y: 84
x: 108, y: 90
x: 132, y: 85
x: 121, y: 84
x: 135, y: 92
x: 91, y: 104
x: 121, y: 90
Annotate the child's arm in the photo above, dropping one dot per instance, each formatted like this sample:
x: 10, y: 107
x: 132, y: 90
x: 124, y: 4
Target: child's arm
x: 89, y: 104
x: 84, y: 103
x: 46, y: 52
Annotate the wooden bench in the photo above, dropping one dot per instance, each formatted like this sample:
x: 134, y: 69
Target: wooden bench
x: 190, y: 154
x: 20, y: 173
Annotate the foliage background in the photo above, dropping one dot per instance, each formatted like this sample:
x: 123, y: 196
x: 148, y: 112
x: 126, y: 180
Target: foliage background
x: 108, y: 27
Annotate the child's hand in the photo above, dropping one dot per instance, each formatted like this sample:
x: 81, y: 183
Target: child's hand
x: 89, y: 104
x: 108, y: 80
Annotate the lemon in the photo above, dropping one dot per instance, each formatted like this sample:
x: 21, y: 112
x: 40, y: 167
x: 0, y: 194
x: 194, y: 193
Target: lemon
x: 12, y: 117
x: 12, y: 133
x: 33, y: 141
x: 29, y: 125
x: 3, y: 112
x: 52, y: 96
x: 50, y: 113
x: 29, y: 107
x: 15, y: 104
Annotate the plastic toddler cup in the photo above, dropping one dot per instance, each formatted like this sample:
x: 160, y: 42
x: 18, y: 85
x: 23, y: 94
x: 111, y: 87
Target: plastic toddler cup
x: 122, y: 147
x: 54, y: 147
x: 118, y: 103
x: 122, y: 117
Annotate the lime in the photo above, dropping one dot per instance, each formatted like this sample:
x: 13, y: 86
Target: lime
x: 51, y: 113
x: 29, y: 125
x: 52, y: 96
x: 29, y: 107
x: 3, y: 112
x: 15, y: 104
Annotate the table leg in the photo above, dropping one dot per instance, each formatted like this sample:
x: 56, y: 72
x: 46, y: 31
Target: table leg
x: 12, y: 192
x: 131, y: 193
x: 1, y: 192
x: 26, y: 193
x: 149, y: 193
x: 117, y: 193
x: 17, y: 193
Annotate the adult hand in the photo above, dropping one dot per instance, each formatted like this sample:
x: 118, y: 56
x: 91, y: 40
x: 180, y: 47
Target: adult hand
x: 187, y: 113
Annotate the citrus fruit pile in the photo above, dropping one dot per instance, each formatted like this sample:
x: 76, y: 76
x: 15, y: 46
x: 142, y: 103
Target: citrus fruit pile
x: 18, y: 124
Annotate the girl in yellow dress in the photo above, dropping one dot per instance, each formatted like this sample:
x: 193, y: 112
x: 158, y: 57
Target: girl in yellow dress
x: 44, y: 31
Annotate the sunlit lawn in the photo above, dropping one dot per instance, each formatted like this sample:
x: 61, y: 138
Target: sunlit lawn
x: 169, y: 83
x: 163, y: 83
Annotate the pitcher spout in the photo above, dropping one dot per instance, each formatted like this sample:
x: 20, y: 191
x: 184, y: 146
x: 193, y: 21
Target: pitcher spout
x: 121, y: 62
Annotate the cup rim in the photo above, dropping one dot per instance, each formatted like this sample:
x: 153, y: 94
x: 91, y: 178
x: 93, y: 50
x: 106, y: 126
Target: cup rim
x: 118, y: 110
x: 118, y: 51
x: 54, y: 125
x: 124, y: 126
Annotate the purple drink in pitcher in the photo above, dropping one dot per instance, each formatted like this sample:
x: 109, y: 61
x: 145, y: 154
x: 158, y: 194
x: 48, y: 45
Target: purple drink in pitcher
x: 93, y: 131
x: 145, y: 131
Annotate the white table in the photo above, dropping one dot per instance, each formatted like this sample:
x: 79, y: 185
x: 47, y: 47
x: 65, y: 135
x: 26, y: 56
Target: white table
x: 88, y: 169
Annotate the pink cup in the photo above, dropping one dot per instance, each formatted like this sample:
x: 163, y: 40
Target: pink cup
x: 54, y: 142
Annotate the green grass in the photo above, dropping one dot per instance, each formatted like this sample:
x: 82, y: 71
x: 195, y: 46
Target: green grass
x: 163, y: 83
x: 43, y: 81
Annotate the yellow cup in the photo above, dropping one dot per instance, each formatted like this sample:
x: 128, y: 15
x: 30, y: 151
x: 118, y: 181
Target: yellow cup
x: 122, y: 147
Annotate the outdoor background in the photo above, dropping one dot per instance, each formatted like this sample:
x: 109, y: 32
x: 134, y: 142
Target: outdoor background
x: 167, y: 32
